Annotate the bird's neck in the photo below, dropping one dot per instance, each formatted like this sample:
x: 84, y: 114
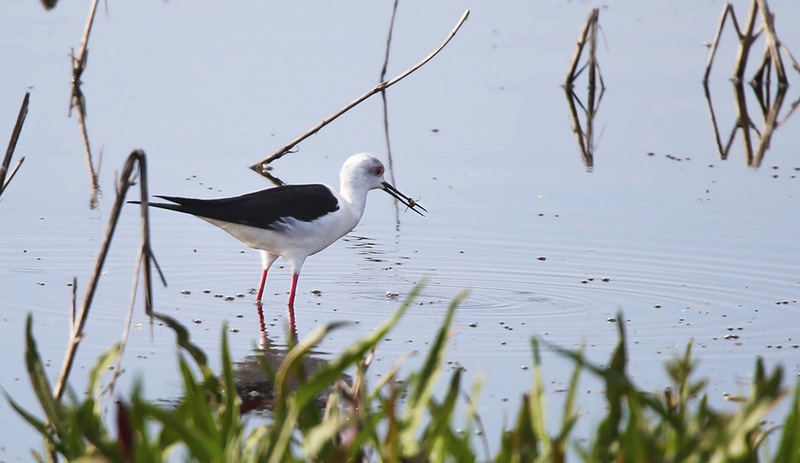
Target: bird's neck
x: 357, y: 197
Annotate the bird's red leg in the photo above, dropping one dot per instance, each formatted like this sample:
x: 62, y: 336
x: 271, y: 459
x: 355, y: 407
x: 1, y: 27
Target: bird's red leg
x: 290, y: 307
x: 292, y: 291
x: 261, y: 286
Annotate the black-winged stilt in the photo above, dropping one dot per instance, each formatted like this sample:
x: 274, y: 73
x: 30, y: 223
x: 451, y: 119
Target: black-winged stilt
x: 294, y: 221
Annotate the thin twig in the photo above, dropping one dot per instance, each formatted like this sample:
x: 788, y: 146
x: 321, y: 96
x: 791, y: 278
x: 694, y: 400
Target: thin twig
x: 258, y: 167
x: 791, y: 57
x: 727, y: 10
x: 12, y: 145
x: 747, y: 36
x: 591, y: 20
x: 126, y: 329
x: 772, y: 41
x: 746, y: 40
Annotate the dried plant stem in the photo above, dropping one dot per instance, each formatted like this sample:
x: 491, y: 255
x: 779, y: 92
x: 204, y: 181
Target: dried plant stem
x: 12, y: 145
x: 747, y: 36
x: 587, y: 35
x: 136, y: 159
x: 773, y: 43
x: 259, y: 167
x: 79, y: 62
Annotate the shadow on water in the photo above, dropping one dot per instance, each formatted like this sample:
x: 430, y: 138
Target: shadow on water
x: 255, y: 374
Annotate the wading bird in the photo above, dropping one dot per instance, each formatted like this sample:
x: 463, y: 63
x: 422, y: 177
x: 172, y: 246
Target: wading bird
x: 294, y: 221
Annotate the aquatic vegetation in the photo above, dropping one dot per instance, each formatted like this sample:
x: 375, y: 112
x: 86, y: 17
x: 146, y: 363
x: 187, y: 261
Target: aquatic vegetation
x: 402, y: 420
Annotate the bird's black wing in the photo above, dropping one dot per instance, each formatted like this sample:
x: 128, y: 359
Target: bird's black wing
x: 260, y: 209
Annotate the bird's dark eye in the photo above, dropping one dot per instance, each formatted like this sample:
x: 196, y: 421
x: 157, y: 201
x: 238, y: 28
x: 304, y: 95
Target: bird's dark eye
x: 379, y: 171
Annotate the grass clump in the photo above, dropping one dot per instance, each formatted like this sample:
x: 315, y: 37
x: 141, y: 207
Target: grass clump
x: 317, y: 416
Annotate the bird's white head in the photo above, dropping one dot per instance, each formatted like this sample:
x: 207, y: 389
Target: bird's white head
x: 363, y: 172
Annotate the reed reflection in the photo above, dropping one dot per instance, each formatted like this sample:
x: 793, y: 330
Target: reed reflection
x: 79, y: 103
x: 755, y: 140
x: 584, y: 133
x: 769, y: 100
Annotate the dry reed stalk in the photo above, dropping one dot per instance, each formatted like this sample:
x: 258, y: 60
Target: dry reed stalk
x: 747, y: 36
x: 12, y: 145
x: 260, y: 166
x: 137, y: 159
x: 79, y: 62
x: 587, y: 35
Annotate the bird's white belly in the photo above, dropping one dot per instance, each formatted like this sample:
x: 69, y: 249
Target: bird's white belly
x: 293, y: 237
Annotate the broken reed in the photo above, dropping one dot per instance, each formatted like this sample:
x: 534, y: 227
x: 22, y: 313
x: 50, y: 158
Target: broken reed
x: 261, y: 166
x: 747, y: 36
x: 588, y: 36
x: 6, y: 172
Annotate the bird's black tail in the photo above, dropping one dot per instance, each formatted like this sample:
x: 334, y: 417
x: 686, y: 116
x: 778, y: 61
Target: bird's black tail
x: 171, y: 207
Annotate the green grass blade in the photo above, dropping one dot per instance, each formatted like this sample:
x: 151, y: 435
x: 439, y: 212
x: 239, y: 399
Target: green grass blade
x: 332, y: 371
x: 38, y: 378
x: 789, y: 446
x: 424, y: 382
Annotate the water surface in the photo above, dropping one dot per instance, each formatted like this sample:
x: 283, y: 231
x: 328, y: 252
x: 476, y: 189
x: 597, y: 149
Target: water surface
x: 688, y: 245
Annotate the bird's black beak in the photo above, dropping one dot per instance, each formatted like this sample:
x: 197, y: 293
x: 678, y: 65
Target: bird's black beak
x: 413, y: 205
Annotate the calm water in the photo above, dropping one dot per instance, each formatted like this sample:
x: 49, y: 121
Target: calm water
x: 686, y: 244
